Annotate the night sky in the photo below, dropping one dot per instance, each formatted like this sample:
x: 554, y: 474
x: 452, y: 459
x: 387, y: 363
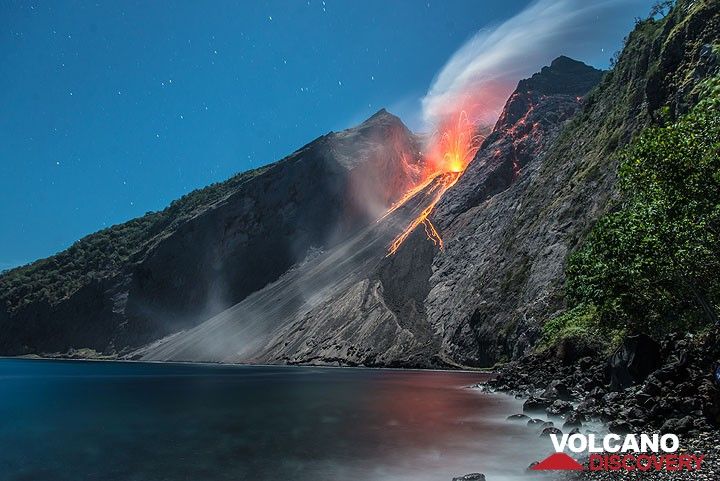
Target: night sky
x: 113, y: 109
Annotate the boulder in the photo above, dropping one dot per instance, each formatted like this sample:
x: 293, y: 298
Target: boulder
x: 633, y: 361
x: 620, y: 427
x: 558, y: 408
x: 470, y: 477
x: 535, y: 423
x: 677, y: 426
x: 573, y: 420
x: 556, y: 390
x: 536, y: 405
x: 548, y: 431
x: 518, y: 418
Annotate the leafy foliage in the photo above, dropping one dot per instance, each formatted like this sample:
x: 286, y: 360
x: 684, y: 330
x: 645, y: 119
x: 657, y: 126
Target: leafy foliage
x: 654, y: 263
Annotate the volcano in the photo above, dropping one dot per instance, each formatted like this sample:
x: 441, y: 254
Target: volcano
x: 168, y: 271
x: 364, y: 303
x: 370, y: 246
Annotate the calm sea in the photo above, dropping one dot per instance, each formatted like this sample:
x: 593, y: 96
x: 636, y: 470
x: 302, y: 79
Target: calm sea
x: 71, y: 420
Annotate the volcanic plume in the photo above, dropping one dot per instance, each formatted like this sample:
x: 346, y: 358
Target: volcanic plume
x: 450, y: 149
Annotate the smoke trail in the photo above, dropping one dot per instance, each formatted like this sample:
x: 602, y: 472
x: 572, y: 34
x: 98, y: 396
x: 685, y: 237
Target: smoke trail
x: 481, y: 75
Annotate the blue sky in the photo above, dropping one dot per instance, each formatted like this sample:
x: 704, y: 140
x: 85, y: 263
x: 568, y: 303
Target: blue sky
x: 113, y: 109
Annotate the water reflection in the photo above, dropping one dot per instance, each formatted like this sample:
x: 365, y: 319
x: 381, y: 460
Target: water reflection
x: 121, y: 421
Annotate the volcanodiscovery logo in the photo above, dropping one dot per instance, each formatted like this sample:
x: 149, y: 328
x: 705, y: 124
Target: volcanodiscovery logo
x: 613, y: 452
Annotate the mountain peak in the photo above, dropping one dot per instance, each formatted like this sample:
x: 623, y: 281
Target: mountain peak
x: 382, y: 115
x: 563, y: 76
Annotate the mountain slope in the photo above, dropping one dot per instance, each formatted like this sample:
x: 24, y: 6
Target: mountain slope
x: 523, y: 204
x: 136, y: 282
x: 374, y: 312
x: 502, y: 274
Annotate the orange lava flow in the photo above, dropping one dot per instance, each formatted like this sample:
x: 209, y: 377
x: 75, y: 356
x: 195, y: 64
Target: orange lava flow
x: 445, y: 181
x: 449, y: 154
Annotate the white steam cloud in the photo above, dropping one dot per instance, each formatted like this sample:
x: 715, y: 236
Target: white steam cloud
x: 486, y: 69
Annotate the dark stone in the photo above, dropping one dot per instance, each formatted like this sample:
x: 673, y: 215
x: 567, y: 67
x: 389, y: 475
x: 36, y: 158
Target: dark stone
x: 548, y: 431
x: 518, y: 418
x: 535, y: 405
x: 633, y: 361
x: 573, y: 420
x: 557, y: 390
x: 535, y: 423
x: 597, y: 393
x: 620, y: 427
x: 470, y: 477
x: 677, y: 426
x: 589, y: 405
x: 611, y: 397
x: 558, y: 408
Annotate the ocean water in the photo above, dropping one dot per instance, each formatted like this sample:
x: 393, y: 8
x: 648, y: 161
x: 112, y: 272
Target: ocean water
x: 73, y: 420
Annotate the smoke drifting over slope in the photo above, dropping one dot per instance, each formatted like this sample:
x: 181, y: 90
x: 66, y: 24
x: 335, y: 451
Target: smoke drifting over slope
x: 480, y: 76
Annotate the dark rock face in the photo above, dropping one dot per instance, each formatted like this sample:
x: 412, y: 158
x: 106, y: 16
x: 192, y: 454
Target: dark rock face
x: 633, y: 361
x: 212, y: 249
x: 484, y: 276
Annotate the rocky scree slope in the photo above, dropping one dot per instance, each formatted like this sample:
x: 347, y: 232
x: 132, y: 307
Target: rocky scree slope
x: 136, y: 282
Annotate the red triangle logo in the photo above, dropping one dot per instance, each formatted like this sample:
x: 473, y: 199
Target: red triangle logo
x: 558, y: 462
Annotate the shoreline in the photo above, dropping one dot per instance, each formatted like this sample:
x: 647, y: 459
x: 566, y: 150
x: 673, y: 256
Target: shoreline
x: 34, y: 357
x: 666, y: 387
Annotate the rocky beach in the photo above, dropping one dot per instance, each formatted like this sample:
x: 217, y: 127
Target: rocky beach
x: 644, y: 386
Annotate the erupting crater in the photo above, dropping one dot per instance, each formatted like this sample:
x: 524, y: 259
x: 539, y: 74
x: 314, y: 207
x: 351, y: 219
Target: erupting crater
x: 451, y: 148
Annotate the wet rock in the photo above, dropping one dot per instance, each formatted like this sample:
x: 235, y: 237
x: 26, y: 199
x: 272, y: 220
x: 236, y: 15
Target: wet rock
x: 574, y: 419
x: 470, y: 477
x: 633, y: 361
x: 620, y: 427
x: 587, y: 406
x: 535, y: 422
x: 596, y: 393
x: 518, y: 418
x: 548, y: 431
x: 536, y: 405
x: 558, y: 408
x: 677, y: 426
x: 557, y: 390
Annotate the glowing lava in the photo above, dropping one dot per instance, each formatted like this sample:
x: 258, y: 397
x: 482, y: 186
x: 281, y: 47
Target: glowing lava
x: 451, y: 150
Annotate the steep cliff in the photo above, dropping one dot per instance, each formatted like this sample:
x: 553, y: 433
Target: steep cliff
x: 502, y: 274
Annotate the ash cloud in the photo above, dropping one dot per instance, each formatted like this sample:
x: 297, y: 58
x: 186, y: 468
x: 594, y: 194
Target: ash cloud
x: 482, y: 74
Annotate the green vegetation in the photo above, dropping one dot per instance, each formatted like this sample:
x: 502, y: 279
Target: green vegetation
x: 107, y: 252
x: 653, y: 264
x: 578, y: 323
